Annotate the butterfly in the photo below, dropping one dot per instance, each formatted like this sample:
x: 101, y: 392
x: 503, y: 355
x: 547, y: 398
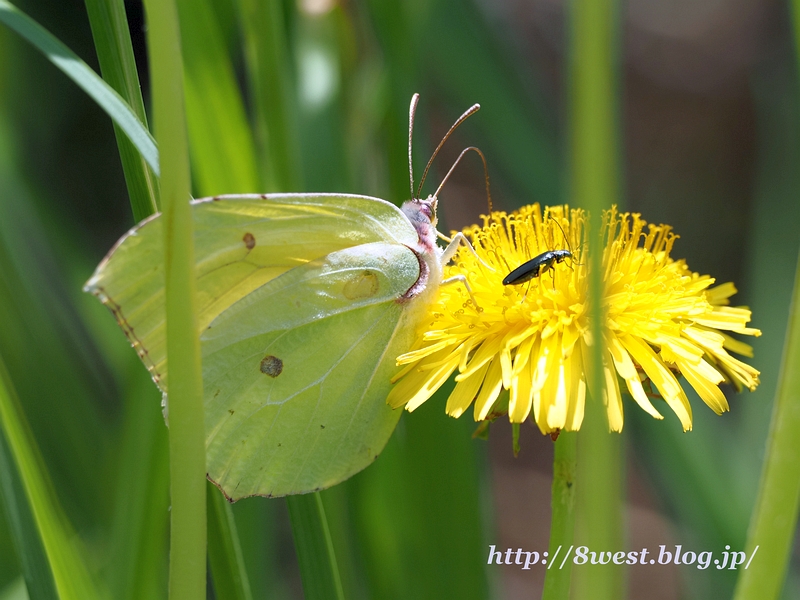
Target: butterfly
x: 304, y: 301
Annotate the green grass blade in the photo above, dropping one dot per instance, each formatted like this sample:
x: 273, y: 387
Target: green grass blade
x: 223, y: 153
x: 774, y: 518
x: 222, y: 147
x: 224, y: 552
x: 272, y: 89
x: 112, y: 42
x: 312, y: 540
x: 593, y: 170
x: 15, y: 590
x: 338, y: 503
x: 773, y: 522
x: 70, y: 574
x: 141, y: 507
x: 35, y: 566
x: 187, y: 578
x: 83, y: 76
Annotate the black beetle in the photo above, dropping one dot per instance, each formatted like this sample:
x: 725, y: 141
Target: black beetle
x: 536, y: 266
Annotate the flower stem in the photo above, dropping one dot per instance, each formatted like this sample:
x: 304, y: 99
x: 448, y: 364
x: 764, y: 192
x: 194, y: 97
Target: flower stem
x: 562, y: 521
x: 772, y: 524
x: 187, y: 456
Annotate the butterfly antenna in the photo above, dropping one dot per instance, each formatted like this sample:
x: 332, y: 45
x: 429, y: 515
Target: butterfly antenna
x: 469, y: 112
x: 485, y: 172
x: 412, y: 111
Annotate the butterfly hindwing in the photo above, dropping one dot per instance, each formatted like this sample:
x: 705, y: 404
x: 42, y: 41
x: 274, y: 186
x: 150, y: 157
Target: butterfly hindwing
x: 296, y: 373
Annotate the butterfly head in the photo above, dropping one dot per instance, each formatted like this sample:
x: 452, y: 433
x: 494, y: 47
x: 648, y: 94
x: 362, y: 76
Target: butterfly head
x: 422, y: 215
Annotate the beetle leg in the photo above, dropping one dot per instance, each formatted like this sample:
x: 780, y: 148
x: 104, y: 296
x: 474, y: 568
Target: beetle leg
x: 527, y: 289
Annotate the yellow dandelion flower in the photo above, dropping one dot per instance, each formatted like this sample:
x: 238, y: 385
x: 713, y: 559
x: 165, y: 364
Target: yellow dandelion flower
x: 533, y: 339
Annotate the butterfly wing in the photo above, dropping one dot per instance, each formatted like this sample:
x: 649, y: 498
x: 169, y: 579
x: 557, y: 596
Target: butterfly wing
x: 301, y: 313
x: 296, y: 374
x: 241, y: 242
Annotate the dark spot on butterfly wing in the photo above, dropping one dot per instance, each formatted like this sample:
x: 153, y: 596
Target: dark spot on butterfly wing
x: 249, y: 241
x: 271, y: 365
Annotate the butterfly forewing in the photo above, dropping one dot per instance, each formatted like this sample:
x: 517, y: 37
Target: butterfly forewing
x: 241, y: 242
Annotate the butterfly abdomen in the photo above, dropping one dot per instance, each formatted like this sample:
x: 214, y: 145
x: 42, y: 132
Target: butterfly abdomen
x: 422, y: 281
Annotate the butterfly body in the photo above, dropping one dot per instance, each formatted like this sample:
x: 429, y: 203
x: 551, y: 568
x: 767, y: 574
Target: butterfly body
x: 421, y: 215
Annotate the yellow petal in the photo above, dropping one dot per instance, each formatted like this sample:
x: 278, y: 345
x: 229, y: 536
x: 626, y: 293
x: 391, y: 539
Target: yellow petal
x: 701, y: 380
x: 612, y: 397
x: 577, y: 392
x: 627, y: 370
x: 492, y: 384
x: 418, y: 385
x: 662, y: 377
x: 519, y: 405
x: 464, y: 392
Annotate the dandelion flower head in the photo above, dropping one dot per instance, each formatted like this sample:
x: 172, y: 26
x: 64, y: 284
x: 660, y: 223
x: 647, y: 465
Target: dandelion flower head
x: 660, y: 321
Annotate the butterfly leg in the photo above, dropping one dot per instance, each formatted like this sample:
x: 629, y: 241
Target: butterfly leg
x: 452, y: 247
x: 463, y: 280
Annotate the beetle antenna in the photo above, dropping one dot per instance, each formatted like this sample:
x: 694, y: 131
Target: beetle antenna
x: 566, y: 240
x: 469, y: 112
x: 412, y: 111
x: 485, y: 172
x: 562, y: 233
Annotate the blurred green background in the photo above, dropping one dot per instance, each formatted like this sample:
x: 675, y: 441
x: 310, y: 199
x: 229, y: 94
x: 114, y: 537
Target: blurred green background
x: 710, y: 128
